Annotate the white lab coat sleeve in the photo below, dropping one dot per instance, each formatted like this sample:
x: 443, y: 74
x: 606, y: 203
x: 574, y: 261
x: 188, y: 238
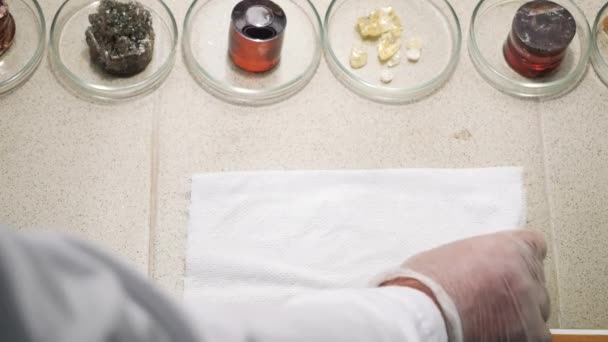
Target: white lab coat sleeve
x: 386, y: 314
x: 57, y: 289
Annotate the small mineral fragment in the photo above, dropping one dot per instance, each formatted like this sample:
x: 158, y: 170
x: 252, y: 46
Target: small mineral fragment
x: 379, y: 21
x: 413, y: 55
x: 7, y: 28
x: 386, y: 76
x: 605, y: 22
x: 395, y: 60
x: 389, y: 44
x: 358, y: 57
x: 121, y: 37
x: 413, y: 49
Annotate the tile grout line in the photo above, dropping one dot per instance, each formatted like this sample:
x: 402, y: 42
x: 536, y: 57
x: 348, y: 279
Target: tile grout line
x: 154, y: 170
x: 541, y: 125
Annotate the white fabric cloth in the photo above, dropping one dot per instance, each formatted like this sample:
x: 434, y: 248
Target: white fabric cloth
x: 269, y: 239
x: 263, y: 236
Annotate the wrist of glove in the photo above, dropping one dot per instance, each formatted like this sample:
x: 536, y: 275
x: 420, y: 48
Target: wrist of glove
x: 488, y: 288
x: 408, y: 278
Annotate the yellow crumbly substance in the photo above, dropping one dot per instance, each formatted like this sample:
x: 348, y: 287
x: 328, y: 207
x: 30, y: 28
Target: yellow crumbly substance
x: 383, y: 23
x: 389, y: 44
x: 379, y: 21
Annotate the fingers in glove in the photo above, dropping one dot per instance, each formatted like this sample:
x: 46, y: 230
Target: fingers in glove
x: 534, y: 240
x: 533, y: 250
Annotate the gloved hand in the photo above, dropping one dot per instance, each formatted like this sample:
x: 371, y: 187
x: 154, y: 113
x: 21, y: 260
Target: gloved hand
x: 496, y: 283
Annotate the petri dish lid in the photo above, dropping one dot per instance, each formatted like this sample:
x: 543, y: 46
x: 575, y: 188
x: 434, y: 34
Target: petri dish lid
x: 205, y: 49
x: 599, y: 44
x: 490, y: 26
x: 434, y: 22
x: 69, y: 52
x: 24, y: 55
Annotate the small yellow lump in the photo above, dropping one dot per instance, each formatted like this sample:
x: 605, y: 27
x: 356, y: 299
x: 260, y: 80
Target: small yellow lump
x: 389, y: 45
x: 358, y: 57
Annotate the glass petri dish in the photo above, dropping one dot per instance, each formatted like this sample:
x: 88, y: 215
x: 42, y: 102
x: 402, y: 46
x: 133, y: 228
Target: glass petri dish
x: 69, y: 53
x: 23, y: 57
x: 205, y: 49
x: 433, y: 21
x: 599, y: 44
x: 489, y: 29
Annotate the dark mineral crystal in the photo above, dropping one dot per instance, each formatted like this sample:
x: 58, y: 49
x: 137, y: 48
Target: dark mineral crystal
x: 121, y: 37
x: 7, y: 28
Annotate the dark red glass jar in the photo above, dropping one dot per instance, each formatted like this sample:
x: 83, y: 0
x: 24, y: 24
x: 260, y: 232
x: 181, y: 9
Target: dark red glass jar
x: 540, y: 35
x: 256, y: 35
x: 7, y: 28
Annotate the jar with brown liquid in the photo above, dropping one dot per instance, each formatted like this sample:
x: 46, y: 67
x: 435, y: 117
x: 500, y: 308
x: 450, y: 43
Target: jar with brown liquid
x: 256, y: 35
x: 540, y: 35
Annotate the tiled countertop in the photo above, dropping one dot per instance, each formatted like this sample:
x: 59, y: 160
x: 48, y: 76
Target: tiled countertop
x: 120, y: 174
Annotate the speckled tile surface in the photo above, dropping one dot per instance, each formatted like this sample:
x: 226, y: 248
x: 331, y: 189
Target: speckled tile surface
x: 103, y: 172
x: 577, y: 167
x: 76, y: 167
x: 576, y: 162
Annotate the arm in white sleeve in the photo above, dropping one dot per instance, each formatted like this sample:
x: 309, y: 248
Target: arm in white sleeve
x: 385, y: 314
x: 57, y: 289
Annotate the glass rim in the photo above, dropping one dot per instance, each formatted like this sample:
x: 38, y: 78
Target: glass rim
x: 34, y: 61
x: 107, y: 92
x: 241, y: 95
x: 393, y: 95
x: 599, y: 63
x: 525, y: 88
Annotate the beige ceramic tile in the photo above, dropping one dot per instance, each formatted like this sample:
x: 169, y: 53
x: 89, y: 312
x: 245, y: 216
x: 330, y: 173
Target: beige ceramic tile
x: 76, y: 167
x: 466, y: 124
x: 576, y: 151
x: 577, y: 162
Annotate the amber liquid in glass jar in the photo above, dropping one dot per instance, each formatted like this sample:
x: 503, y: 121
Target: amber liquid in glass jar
x: 7, y: 28
x: 256, y: 35
x: 540, y: 35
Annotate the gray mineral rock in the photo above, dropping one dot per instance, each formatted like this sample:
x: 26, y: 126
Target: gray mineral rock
x: 121, y: 37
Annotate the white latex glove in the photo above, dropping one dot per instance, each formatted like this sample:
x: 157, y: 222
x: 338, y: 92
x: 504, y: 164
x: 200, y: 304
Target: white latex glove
x: 491, y: 288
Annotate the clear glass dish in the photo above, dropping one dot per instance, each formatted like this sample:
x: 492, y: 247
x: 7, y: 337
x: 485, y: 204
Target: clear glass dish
x: 23, y: 57
x: 489, y: 29
x: 69, y: 53
x: 433, y: 21
x: 205, y: 49
x: 599, y: 45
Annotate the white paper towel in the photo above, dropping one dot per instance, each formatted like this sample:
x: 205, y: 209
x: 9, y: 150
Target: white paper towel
x: 261, y: 236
